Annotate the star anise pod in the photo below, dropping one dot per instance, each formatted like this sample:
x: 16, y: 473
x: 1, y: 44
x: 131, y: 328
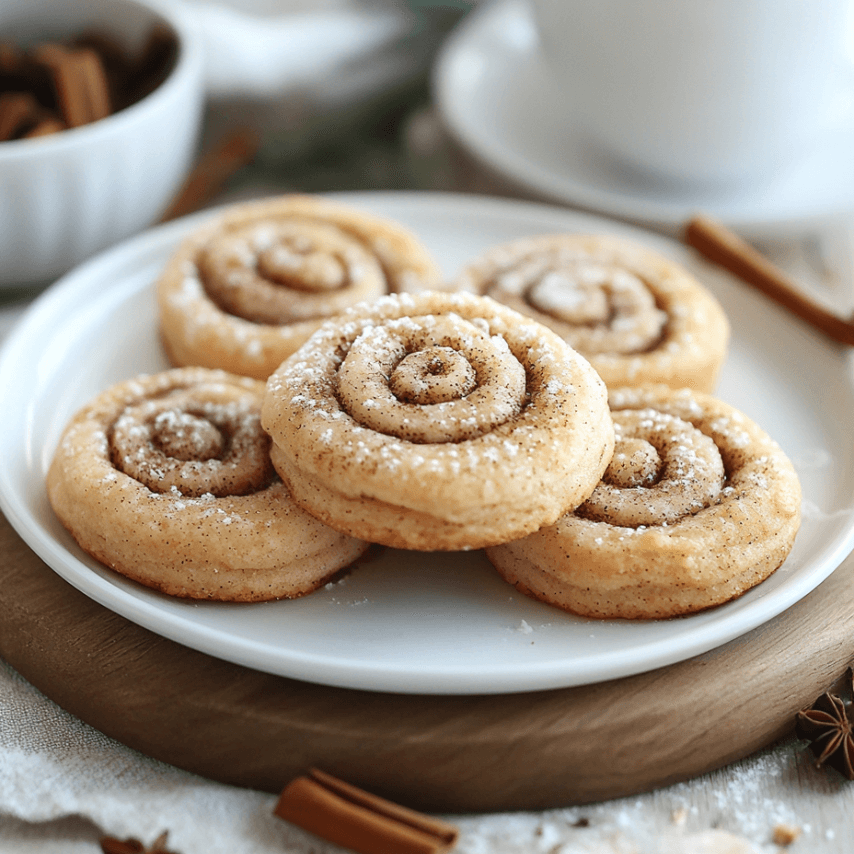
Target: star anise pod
x: 827, y: 727
x: 111, y: 845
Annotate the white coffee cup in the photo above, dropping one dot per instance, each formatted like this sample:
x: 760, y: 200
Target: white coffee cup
x: 708, y: 92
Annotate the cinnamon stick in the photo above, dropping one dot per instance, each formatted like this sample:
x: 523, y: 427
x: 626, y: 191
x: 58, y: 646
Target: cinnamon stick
x: 355, y: 819
x: 80, y: 83
x: 720, y: 245
x: 17, y: 111
x: 212, y: 171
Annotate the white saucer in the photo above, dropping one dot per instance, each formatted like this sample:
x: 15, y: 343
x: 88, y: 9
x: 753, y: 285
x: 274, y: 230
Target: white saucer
x: 491, y: 91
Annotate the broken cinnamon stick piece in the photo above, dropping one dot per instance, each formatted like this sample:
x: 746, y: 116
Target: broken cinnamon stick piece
x: 112, y: 845
x: 355, y: 819
x: 720, y: 245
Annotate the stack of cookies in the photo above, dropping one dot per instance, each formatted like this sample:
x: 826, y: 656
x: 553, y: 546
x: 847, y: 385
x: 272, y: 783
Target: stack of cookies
x: 552, y: 406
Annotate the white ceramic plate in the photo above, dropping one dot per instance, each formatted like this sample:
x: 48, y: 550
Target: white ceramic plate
x: 413, y: 622
x: 492, y: 92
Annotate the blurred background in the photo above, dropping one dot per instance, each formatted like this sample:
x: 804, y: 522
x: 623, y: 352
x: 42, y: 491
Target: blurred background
x: 458, y: 95
x: 337, y: 91
x: 454, y: 95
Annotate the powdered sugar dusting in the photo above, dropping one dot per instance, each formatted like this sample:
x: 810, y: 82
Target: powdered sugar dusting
x: 731, y: 811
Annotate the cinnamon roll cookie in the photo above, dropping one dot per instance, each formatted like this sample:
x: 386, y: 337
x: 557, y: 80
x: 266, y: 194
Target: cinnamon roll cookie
x: 167, y: 480
x: 436, y: 422
x: 697, y: 506
x: 244, y: 292
x: 637, y: 316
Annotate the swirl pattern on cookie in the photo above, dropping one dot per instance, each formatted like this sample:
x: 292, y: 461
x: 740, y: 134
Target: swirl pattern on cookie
x: 437, y: 422
x: 697, y: 505
x: 167, y: 479
x: 245, y: 291
x: 637, y: 316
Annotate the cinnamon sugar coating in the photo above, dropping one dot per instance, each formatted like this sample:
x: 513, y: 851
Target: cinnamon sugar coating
x: 698, y: 505
x: 437, y: 421
x: 637, y: 316
x: 167, y: 479
x: 245, y: 291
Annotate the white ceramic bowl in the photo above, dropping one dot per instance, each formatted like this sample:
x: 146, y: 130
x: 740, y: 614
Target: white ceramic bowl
x: 66, y: 196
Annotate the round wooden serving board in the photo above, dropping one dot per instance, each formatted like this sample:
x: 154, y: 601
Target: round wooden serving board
x: 436, y: 753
